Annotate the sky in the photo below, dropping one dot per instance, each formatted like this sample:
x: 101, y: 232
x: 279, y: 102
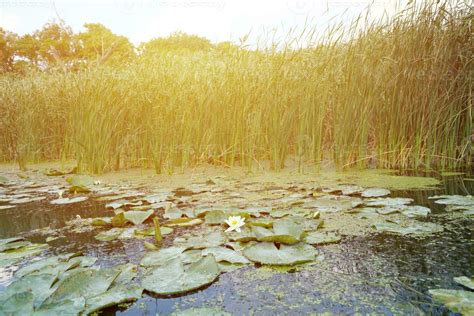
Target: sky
x: 217, y: 20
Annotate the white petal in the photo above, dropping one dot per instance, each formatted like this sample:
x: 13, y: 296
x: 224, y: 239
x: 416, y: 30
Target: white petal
x: 237, y: 229
x: 231, y: 228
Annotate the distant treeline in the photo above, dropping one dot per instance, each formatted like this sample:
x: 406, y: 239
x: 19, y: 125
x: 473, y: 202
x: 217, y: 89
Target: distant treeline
x: 396, y: 95
x: 57, y: 46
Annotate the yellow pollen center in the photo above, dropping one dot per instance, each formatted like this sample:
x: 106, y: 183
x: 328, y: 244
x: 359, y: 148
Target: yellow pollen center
x: 234, y: 222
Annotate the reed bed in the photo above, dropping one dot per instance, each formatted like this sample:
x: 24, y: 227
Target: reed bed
x: 396, y: 95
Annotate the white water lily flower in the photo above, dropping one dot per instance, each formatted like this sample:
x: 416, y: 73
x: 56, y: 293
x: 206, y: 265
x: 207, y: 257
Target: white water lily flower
x: 235, y: 222
x: 60, y: 193
x: 97, y: 182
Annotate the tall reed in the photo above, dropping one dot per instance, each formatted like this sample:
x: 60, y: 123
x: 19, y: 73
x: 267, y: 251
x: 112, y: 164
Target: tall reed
x: 395, y: 93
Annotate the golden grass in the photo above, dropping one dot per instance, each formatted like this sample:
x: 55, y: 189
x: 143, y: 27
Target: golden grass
x: 398, y: 95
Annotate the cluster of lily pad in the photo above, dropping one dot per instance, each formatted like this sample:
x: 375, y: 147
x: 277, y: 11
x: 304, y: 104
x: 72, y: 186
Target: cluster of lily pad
x: 68, y: 284
x: 459, y: 301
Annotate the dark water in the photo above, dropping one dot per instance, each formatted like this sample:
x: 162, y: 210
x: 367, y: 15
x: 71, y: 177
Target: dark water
x: 378, y: 274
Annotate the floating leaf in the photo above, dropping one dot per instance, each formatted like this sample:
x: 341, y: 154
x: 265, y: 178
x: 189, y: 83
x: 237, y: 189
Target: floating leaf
x: 454, y: 199
x: 216, y: 217
x: 245, y: 235
x: 63, y: 201
x: 162, y: 256
x: 12, y: 256
x: 225, y: 254
x: 413, y: 228
x: 80, y: 183
x: 109, y: 235
x: 114, y: 296
x: 375, y: 192
x: 465, y: 281
x: 415, y: 211
x: 17, y: 304
x: 316, y: 238
x: 87, y: 283
x: 150, y: 231
x: 118, y: 220
x: 120, y: 203
x: 137, y: 217
x: 173, y: 213
x: 212, y: 239
x: 284, y: 231
x: 184, y: 222
x: 268, y: 253
x: 388, y: 201
x: 266, y: 222
x: 456, y: 300
x: 174, y: 278
x: 27, y: 200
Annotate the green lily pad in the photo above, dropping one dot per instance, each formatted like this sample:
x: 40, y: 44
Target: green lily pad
x: 174, y: 278
x: 118, y: 220
x: 375, y: 192
x: 225, y: 254
x: 17, y: 304
x: 465, y: 281
x: 333, y: 203
x: 162, y: 256
x: 65, y: 307
x: 63, y: 201
x: 109, y: 235
x: 3, y: 180
x: 173, y: 213
x: 137, y: 217
x: 87, y: 283
x: 415, y: 211
x: 80, y: 183
x: 268, y: 253
x: 10, y: 257
x: 184, y: 222
x: 455, y: 300
x: 37, y: 284
x: 213, y: 239
x: 116, y: 295
x: 14, y: 245
x: 120, y: 203
x: 27, y: 200
x: 266, y: 222
x: 216, y: 217
x: 316, y: 238
x: 285, y: 231
x: 388, y: 201
x: 413, y: 228
x: 245, y: 235
x: 460, y: 200
x: 150, y: 231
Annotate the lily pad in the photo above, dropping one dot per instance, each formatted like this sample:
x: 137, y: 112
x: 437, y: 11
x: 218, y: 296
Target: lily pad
x: 80, y: 183
x: 63, y: 201
x: 87, y: 283
x: 12, y: 256
x: 285, y: 231
x: 375, y: 192
x: 210, y: 240
x: 388, y: 201
x: 120, y: 203
x: 225, y: 254
x: 460, y: 200
x: 416, y: 211
x: 316, y: 238
x: 109, y: 235
x: 174, y: 278
x: 456, y: 300
x: 137, y: 217
x: 114, y: 296
x: 413, y: 228
x: 216, y: 217
x: 268, y: 253
x: 183, y: 222
x: 162, y: 256
x: 465, y: 281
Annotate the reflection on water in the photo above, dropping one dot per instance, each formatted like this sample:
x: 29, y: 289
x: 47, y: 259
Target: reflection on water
x: 379, y: 274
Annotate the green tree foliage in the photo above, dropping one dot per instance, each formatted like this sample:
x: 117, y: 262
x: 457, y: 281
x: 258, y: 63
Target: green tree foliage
x: 7, y: 50
x: 177, y: 43
x: 56, y: 45
x: 99, y: 45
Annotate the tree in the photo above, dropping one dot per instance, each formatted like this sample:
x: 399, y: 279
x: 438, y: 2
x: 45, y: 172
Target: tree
x: 56, y: 45
x: 7, y: 50
x: 99, y: 45
x: 177, y: 42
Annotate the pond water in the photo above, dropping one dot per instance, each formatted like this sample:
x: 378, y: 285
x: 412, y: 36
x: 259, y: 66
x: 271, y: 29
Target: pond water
x: 375, y: 274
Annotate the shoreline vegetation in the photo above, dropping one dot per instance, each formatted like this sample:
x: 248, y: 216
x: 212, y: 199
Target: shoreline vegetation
x: 396, y: 95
